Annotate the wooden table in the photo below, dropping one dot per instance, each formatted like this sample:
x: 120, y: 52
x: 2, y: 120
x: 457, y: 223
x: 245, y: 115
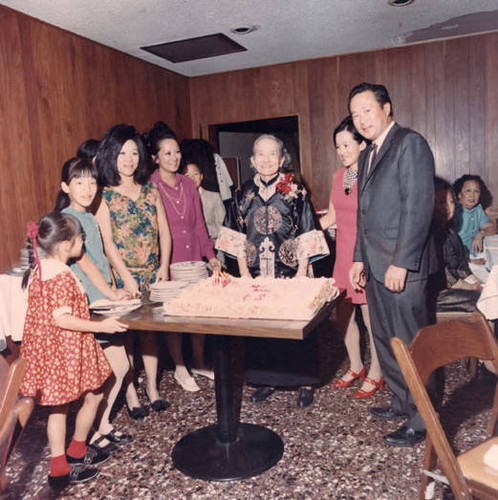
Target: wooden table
x: 228, y: 449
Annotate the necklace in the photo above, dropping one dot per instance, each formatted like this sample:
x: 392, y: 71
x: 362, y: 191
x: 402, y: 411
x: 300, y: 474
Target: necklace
x: 179, y: 205
x: 349, y: 179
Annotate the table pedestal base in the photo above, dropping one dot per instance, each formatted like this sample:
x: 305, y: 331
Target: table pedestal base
x: 201, y: 455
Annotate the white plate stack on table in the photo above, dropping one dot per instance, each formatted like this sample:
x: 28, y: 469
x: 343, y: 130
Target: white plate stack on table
x: 191, y: 271
x: 116, y: 307
x: 164, y: 291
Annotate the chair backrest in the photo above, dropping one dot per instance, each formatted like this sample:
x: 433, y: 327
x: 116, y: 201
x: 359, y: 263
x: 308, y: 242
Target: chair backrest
x: 435, y: 346
x: 12, y: 411
x: 10, y: 382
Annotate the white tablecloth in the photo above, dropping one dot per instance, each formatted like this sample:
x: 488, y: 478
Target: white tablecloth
x: 488, y: 301
x: 491, y: 250
x: 13, y: 303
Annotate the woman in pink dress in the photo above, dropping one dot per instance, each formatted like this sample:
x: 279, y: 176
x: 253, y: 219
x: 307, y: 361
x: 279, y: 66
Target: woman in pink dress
x: 190, y: 240
x: 342, y: 211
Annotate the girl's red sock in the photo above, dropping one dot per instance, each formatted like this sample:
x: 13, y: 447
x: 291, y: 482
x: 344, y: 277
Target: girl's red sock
x: 59, y: 466
x: 76, y: 449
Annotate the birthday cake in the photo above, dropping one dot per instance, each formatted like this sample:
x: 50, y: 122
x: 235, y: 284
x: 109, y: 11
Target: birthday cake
x: 263, y: 298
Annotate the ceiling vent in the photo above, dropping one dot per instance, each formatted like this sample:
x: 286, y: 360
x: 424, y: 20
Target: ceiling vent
x: 192, y: 49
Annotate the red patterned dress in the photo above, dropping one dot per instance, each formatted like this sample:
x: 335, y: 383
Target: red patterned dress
x: 61, y: 364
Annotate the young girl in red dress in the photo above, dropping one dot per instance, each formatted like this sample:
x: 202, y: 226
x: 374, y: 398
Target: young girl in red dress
x: 64, y: 361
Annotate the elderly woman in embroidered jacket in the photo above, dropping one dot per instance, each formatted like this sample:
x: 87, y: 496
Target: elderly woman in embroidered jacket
x: 272, y: 231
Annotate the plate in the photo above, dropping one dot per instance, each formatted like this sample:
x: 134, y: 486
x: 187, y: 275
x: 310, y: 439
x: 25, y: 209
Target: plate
x: 108, y: 304
x: 118, y: 310
x: 168, y: 285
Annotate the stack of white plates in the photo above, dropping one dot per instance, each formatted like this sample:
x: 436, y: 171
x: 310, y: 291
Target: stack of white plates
x: 192, y: 271
x: 163, y: 291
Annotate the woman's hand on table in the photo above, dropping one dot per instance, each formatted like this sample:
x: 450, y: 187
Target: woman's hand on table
x: 131, y: 286
x: 110, y: 325
x: 477, y: 242
x: 215, y: 265
x: 119, y: 294
x: 162, y: 273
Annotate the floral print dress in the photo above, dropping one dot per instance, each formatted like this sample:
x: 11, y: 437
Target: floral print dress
x: 61, y: 364
x: 135, y: 232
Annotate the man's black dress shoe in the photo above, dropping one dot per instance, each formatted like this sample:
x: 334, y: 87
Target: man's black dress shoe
x: 261, y: 393
x: 304, y: 396
x: 404, y: 436
x: 387, y: 413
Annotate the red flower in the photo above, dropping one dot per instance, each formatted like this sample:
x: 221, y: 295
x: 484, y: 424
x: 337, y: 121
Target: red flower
x: 284, y: 186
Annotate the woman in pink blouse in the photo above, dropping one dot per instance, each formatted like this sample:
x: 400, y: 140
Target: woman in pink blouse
x: 189, y: 236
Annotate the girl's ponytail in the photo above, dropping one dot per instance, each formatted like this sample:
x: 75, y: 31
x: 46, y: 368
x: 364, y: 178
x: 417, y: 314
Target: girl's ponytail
x: 33, y: 257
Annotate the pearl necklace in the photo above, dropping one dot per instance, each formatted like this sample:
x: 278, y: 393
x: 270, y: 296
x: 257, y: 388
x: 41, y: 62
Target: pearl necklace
x: 182, y: 205
x: 349, y: 179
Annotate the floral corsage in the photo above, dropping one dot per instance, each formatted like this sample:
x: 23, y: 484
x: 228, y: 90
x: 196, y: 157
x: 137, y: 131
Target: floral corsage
x: 287, y: 188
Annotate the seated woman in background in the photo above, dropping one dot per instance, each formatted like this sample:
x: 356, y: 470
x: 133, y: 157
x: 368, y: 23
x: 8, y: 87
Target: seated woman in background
x: 471, y: 221
x: 456, y: 287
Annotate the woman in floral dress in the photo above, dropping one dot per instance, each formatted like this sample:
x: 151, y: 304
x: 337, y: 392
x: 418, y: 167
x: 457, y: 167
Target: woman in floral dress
x: 136, y: 237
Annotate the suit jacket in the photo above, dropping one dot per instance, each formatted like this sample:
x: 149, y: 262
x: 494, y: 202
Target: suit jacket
x: 395, y: 203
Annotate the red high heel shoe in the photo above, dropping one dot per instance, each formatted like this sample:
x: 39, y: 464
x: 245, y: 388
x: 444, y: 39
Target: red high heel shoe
x: 346, y: 383
x: 377, y: 384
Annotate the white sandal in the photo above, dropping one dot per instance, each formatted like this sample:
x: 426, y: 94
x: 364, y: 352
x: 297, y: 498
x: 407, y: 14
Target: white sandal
x: 188, y: 384
x: 202, y: 372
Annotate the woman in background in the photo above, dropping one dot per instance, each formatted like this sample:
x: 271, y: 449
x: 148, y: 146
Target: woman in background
x: 471, y: 222
x: 216, y: 177
x: 212, y: 204
x: 456, y: 287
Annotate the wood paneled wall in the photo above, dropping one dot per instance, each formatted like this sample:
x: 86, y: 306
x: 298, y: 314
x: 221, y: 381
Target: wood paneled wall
x: 56, y: 90
x: 448, y: 91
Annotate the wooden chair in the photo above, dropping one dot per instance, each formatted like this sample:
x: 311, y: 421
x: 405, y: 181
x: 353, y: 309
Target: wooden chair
x: 470, y: 364
x: 14, y: 413
x: 435, y: 346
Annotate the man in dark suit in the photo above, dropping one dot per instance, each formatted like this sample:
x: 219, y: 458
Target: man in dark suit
x: 394, y: 254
